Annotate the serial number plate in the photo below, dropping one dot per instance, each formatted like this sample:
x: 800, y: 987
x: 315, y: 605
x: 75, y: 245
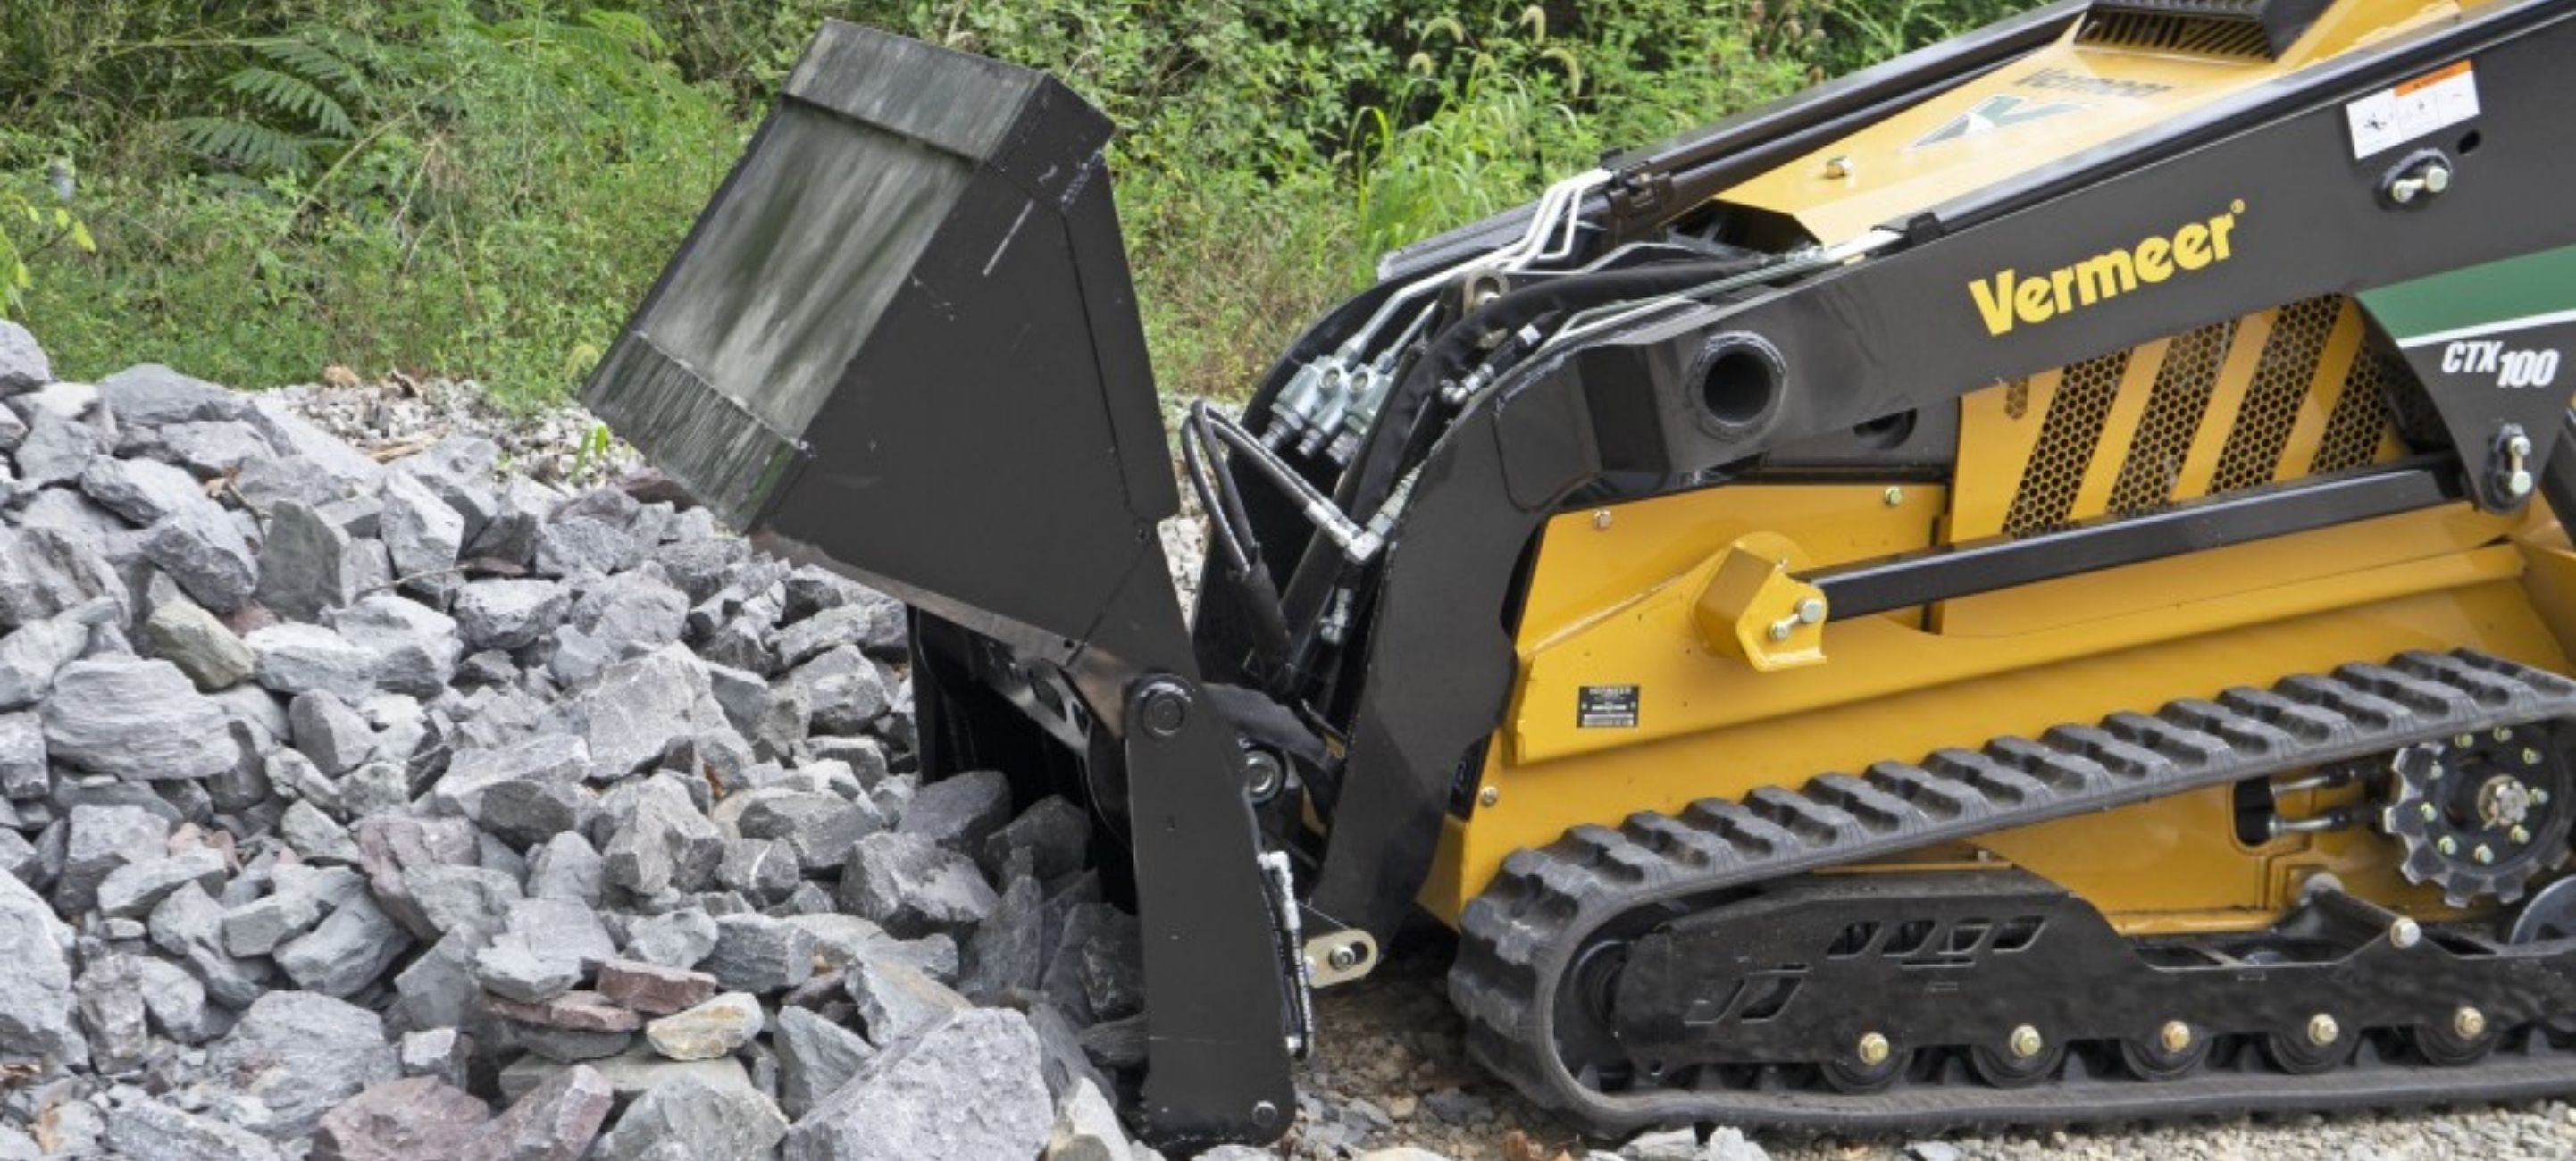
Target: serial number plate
x: 1600, y: 707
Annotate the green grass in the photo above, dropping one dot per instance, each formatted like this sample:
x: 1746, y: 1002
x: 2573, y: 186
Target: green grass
x: 483, y: 188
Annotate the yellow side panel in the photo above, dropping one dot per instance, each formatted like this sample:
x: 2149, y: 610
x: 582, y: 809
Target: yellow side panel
x: 1610, y: 600
x: 2041, y: 108
x: 2474, y: 601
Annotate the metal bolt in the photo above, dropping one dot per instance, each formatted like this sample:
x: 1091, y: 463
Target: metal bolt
x: 2448, y: 845
x: 2405, y: 189
x: 2517, y: 454
x: 2025, y: 1042
x: 2539, y: 795
x: 1489, y: 796
x: 2519, y: 835
x: 1781, y: 628
x: 1166, y: 707
x: 2530, y: 757
x: 2429, y: 811
x: 2322, y: 1029
x: 1893, y: 496
x: 1840, y: 167
x: 2464, y: 741
x: 1344, y: 958
x: 1263, y: 775
x: 1873, y: 1049
x: 1601, y: 519
x: 1265, y: 1114
x: 2505, y: 733
x: 2469, y: 1023
x: 2484, y: 854
x: 2437, y: 177
x: 2405, y: 933
x: 2175, y: 1036
x: 1811, y: 611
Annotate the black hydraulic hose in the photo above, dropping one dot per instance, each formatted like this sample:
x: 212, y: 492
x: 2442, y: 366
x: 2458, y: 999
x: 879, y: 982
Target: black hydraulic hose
x: 1229, y: 493
x: 1193, y: 465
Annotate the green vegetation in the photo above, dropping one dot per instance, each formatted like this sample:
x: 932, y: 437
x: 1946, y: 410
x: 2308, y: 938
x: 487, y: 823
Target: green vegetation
x: 484, y: 187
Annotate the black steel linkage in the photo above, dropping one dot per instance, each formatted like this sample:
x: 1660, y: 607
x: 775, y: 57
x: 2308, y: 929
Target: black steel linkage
x: 2001, y: 562
x: 2558, y: 477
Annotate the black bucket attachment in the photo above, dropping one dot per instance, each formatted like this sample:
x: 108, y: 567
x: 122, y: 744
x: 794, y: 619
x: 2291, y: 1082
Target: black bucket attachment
x: 902, y: 341
x: 903, y: 338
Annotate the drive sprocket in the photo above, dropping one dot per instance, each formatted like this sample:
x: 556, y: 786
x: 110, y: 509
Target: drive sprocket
x: 2480, y: 814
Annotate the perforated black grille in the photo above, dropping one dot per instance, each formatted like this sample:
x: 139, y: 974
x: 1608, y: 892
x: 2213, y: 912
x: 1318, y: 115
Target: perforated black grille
x: 2184, y: 384
x: 2067, y: 438
x: 2281, y: 378
x: 2361, y: 416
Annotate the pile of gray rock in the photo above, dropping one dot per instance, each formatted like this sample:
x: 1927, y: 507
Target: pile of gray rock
x: 378, y: 811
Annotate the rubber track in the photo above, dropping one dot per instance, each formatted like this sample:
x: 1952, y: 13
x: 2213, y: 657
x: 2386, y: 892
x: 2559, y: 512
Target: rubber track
x: 1517, y: 939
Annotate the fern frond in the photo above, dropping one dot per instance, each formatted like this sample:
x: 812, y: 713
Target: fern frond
x: 295, y: 96
x: 629, y: 27
x: 314, y: 63
x: 244, y: 143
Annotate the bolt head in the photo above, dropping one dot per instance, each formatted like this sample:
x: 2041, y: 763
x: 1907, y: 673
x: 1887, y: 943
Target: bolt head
x: 1344, y: 958
x: 1165, y: 708
x: 2484, y: 854
x: 1893, y: 496
x: 2447, y: 845
x: 2175, y: 1036
x: 1780, y: 630
x: 1839, y: 166
x: 2530, y: 757
x: 2519, y: 483
x: 2428, y: 811
x: 1265, y: 1114
x: 2025, y: 1042
x: 2539, y: 795
x: 2468, y: 1023
x: 1873, y: 1049
x: 1811, y: 610
x: 2437, y: 177
x: 2405, y: 933
x: 1601, y: 519
x: 2464, y: 741
x: 1489, y: 796
x: 2405, y: 189
x: 2519, y: 835
x: 2322, y: 1029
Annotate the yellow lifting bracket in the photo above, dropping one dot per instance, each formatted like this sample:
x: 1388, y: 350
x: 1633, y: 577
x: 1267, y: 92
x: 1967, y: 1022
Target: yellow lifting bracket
x: 1754, y: 609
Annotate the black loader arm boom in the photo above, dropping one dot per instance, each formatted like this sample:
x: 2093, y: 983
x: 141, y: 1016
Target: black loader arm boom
x: 902, y: 342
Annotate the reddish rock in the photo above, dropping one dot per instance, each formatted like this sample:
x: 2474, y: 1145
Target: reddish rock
x: 556, y: 1121
x: 653, y: 989
x: 389, y: 846
x: 400, y: 1120
x: 575, y: 1011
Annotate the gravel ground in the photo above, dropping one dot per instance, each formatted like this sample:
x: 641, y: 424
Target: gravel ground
x: 401, y: 416
x: 1391, y: 1071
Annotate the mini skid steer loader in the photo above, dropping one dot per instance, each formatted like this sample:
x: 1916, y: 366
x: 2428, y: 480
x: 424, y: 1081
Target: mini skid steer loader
x: 2017, y: 586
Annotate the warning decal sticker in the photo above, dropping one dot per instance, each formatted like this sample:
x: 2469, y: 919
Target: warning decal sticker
x: 2394, y: 116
